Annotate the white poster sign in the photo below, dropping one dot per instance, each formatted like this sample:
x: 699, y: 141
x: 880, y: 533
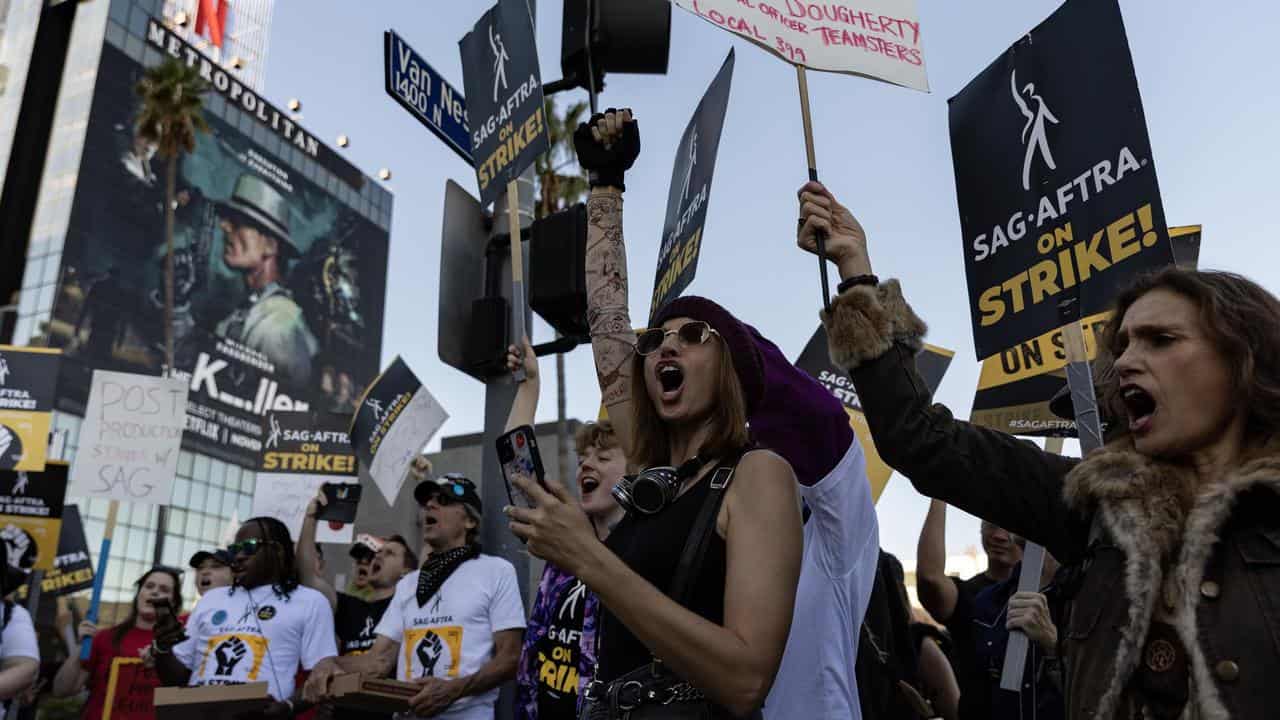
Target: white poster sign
x: 398, y: 416
x: 286, y: 497
x: 130, y: 438
x: 878, y: 39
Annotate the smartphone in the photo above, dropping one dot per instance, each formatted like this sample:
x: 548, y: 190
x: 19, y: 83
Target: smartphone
x: 518, y: 455
x: 342, y: 501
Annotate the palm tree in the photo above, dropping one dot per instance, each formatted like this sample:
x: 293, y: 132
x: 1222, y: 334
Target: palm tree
x: 560, y: 184
x: 170, y: 116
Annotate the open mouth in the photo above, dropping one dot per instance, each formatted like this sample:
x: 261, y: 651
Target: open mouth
x: 671, y: 377
x: 1140, y: 406
x: 588, y: 484
x: 431, y: 520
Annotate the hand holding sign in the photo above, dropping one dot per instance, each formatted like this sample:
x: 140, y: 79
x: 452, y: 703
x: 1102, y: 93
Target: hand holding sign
x: 846, y: 241
x: 607, y: 146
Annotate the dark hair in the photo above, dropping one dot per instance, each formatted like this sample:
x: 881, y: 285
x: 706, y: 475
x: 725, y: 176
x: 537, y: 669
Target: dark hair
x: 651, y: 440
x: 284, y: 566
x: 1239, y: 317
x: 410, y: 557
x: 130, y: 622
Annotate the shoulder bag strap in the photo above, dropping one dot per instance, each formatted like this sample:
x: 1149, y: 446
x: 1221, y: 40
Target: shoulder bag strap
x: 695, y: 548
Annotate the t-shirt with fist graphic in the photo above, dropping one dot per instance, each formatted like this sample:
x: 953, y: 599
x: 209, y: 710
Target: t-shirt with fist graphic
x: 243, y: 635
x: 452, y: 635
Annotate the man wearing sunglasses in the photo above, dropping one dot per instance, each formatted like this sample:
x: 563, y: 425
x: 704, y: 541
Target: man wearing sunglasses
x: 263, y: 627
x: 459, y: 619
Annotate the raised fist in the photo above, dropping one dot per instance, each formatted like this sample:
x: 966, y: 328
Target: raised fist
x: 608, y: 145
x: 429, y: 652
x: 229, y: 654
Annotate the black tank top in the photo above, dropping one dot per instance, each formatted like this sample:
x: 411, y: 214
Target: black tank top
x: 651, y: 545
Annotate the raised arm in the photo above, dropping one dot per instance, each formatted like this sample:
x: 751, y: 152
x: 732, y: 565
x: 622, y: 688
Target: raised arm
x: 306, y: 553
x: 72, y: 677
x: 525, y: 406
x: 607, y: 146
x: 874, y: 333
x: 937, y: 591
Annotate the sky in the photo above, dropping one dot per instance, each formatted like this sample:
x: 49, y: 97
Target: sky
x: 883, y: 150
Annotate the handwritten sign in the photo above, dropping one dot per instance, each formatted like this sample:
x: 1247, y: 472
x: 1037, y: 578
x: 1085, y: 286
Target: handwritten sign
x: 396, y: 419
x: 877, y: 39
x: 285, y: 497
x: 130, y: 438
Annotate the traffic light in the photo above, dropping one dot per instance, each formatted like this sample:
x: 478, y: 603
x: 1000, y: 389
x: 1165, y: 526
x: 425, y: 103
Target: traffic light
x: 619, y: 36
x: 557, y: 270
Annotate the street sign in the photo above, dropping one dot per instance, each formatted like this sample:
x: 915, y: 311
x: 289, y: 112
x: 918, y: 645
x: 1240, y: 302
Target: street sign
x: 426, y: 95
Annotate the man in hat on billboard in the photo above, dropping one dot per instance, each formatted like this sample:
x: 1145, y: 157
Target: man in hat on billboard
x: 257, y: 244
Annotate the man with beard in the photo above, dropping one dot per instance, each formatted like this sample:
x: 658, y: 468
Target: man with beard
x: 459, y: 619
x: 263, y: 627
x: 257, y: 244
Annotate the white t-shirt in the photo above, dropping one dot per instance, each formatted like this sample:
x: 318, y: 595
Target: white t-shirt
x: 841, y: 550
x: 19, y: 638
x: 452, y: 635
x: 251, y: 635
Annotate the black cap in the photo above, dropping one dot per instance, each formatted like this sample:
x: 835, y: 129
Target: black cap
x: 452, y: 485
x: 216, y: 555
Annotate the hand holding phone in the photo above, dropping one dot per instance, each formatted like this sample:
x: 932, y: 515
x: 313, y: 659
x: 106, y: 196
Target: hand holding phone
x: 518, y: 455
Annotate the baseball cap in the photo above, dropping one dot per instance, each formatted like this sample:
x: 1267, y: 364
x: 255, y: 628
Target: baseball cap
x: 454, y: 486
x: 366, y: 546
x: 220, y: 556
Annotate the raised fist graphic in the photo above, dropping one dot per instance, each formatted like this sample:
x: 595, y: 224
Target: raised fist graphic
x: 429, y: 652
x: 229, y: 654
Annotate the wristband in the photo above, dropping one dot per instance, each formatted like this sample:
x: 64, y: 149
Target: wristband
x: 609, y: 178
x: 855, y: 281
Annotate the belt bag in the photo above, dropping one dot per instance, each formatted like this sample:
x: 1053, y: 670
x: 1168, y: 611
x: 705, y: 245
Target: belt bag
x: 653, y: 692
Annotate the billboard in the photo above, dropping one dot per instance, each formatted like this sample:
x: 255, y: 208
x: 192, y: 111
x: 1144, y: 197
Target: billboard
x: 279, y: 283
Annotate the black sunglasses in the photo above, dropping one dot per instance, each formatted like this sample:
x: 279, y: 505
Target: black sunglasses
x: 694, y: 332
x: 248, y: 547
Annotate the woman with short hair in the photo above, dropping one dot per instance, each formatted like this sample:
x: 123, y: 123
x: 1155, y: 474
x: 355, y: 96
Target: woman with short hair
x: 1173, y: 528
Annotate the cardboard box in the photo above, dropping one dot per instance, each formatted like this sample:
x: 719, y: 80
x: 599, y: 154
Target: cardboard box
x: 358, y: 692
x: 210, y: 702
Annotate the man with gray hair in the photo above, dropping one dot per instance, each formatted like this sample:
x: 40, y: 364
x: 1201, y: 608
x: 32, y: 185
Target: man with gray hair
x: 257, y: 244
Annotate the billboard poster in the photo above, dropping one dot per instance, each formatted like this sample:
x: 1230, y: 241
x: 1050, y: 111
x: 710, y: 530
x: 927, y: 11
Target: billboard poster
x: 815, y: 359
x: 31, y: 515
x: 1055, y: 178
x: 302, y: 452
x: 690, y: 191
x: 279, y: 281
x: 27, y: 379
x: 504, y: 96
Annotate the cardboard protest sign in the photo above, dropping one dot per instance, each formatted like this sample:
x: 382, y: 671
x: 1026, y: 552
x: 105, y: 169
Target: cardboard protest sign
x: 302, y: 452
x: 690, y: 191
x: 28, y: 377
x: 72, y: 572
x: 396, y: 419
x: 815, y: 359
x: 131, y: 688
x: 31, y: 515
x: 504, y: 96
x: 129, y: 441
x: 877, y: 39
x: 1016, y: 385
x: 1054, y: 177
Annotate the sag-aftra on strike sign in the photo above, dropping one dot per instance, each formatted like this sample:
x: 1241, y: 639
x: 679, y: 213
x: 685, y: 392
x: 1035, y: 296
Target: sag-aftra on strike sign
x: 1054, y: 177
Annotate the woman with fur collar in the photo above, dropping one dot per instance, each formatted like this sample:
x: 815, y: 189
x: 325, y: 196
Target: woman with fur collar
x: 1172, y: 529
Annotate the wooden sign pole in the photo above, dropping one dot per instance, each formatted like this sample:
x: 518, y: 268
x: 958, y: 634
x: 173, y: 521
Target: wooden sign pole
x: 1085, y: 406
x: 517, y: 272
x: 820, y: 237
x: 100, y: 576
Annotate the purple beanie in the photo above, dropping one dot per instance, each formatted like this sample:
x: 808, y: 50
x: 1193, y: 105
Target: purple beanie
x: 737, y: 337
x: 789, y: 412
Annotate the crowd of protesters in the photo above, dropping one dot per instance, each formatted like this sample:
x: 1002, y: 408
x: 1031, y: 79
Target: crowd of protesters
x: 720, y: 556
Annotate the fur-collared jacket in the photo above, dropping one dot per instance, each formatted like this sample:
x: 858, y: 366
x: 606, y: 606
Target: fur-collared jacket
x: 1144, y: 541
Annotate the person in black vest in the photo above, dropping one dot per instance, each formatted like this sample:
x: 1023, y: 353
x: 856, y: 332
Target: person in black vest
x: 679, y: 395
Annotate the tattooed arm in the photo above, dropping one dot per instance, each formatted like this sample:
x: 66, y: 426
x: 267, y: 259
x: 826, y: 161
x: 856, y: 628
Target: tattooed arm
x: 612, y: 338
x: 607, y: 146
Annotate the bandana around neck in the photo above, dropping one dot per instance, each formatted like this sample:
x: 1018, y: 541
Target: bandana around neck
x: 438, y: 568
